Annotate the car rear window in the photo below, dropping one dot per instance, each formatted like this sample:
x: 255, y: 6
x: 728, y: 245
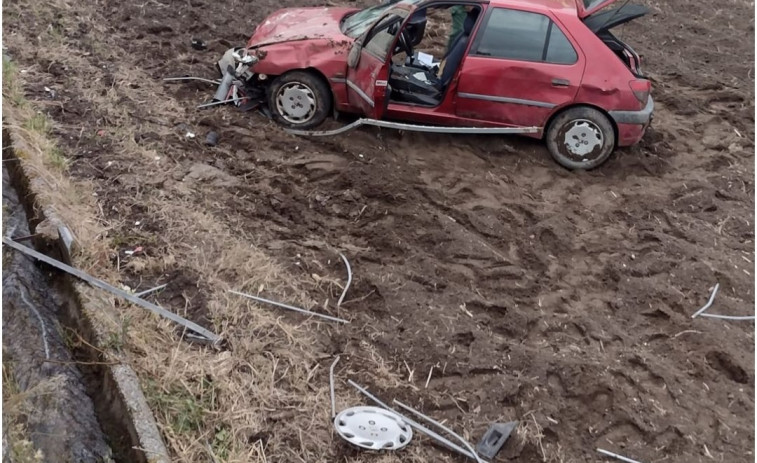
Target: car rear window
x: 525, y: 36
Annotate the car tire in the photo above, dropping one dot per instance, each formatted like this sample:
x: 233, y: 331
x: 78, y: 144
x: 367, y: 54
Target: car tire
x: 580, y: 138
x: 299, y: 100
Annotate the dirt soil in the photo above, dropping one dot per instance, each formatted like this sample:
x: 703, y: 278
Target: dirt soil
x: 522, y: 291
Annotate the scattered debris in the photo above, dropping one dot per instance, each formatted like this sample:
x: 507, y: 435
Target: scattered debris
x: 616, y: 456
x: 418, y: 427
x: 441, y: 426
x: 289, y: 307
x: 349, y: 280
x: 212, y: 139
x: 189, y: 135
x: 331, y: 387
x: 136, y: 250
x: 709, y: 303
x: 199, y: 44
x: 494, y: 438
x: 373, y: 428
x: 204, y: 333
x: 701, y: 312
x: 151, y: 290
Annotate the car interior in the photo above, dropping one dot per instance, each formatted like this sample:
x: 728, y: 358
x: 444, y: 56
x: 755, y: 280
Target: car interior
x: 429, y: 52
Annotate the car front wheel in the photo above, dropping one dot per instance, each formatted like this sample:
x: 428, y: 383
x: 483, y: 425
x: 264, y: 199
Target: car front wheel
x: 580, y: 138
x: 299, y: 100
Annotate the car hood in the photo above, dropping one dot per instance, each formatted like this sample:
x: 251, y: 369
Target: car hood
x: 294, y: 24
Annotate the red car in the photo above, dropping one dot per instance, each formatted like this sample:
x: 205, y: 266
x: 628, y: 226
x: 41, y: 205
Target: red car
x: 548, y: 68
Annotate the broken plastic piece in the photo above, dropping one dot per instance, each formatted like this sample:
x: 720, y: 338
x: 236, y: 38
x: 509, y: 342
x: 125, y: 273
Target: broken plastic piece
x: 199, y: 44
x: 494, y: 438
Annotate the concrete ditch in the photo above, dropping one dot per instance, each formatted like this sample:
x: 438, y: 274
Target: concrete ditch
x: 106, y: 416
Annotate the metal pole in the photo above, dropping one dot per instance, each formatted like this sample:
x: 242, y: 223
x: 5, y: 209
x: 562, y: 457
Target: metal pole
x: 448, y: 430
x: 288, y: 307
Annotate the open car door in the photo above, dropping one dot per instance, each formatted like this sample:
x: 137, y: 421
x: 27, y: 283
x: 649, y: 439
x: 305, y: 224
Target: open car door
x: 368, y: 65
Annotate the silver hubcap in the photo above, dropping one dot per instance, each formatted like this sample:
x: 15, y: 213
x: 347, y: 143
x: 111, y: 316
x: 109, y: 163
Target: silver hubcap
x: 296, y: 103
x: 582, y: 138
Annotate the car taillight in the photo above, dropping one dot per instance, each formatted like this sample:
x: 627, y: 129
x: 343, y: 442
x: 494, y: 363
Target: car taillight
x: 640, y: 89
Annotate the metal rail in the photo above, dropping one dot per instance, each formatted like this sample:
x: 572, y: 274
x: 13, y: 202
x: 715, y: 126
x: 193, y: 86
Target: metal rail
x: 415, y: 128
x: 214, y: 338
x: 441, y: 426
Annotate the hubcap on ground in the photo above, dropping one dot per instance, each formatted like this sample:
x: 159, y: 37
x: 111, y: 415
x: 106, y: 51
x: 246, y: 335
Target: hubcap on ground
x: 295, y: 102
x: 582, y: 138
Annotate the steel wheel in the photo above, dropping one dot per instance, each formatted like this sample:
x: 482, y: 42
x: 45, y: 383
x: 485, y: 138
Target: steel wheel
x: 582, y: 138
x: 296, y: 102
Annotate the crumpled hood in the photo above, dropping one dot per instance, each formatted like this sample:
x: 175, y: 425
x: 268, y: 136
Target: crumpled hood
x: 292, y: 24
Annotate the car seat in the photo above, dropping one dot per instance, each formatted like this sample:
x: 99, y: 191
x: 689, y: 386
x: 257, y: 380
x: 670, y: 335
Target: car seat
x: 423, y: 86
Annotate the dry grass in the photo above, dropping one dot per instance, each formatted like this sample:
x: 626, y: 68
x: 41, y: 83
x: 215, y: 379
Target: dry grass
x: 16, y: 443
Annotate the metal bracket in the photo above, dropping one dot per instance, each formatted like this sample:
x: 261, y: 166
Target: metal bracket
x: 416, y: 128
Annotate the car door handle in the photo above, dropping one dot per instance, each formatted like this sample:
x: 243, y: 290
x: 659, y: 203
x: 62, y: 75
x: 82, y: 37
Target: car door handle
x: 560, y: 83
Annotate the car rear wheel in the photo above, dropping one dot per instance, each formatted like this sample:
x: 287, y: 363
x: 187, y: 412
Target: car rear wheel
x: 299, y: 100
x: 580, y: 138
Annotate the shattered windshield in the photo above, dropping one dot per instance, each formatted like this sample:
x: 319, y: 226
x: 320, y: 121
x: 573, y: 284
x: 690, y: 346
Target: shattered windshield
x: 355, y: 25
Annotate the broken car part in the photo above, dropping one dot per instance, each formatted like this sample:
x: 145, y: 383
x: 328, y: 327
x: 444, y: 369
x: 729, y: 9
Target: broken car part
x: 289, y: 307
x: 216, y: 103
x: 415, y: 425
x: 415, y: 128
x: 494, y: 438
x: 709, y: 302
x: 214, y: 338
x: 199, y: 44
x: 441, y: 426
x: 373, y: 428
x: 616, y: 456
x: 349, y: 280
x: 331, y: 387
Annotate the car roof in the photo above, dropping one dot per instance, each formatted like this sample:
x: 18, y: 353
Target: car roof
x: 553, y: 5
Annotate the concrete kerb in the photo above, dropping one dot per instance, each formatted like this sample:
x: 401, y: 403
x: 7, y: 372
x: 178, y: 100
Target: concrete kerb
x: 120, y: 402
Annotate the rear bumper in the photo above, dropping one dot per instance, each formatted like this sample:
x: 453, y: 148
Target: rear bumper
x: 641, y: 117
x: 633, y: 124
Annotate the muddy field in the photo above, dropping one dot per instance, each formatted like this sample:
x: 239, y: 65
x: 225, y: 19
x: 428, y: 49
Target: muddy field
x: 559, y: 299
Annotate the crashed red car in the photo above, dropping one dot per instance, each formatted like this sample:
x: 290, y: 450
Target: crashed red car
x: 550, y: 69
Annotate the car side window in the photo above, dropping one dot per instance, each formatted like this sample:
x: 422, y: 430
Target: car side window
x: 382, y: 36
x: 525, y: 36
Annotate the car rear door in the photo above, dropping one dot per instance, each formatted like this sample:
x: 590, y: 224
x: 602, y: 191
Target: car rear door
x: 521, y: 67
x: 368, y: 65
